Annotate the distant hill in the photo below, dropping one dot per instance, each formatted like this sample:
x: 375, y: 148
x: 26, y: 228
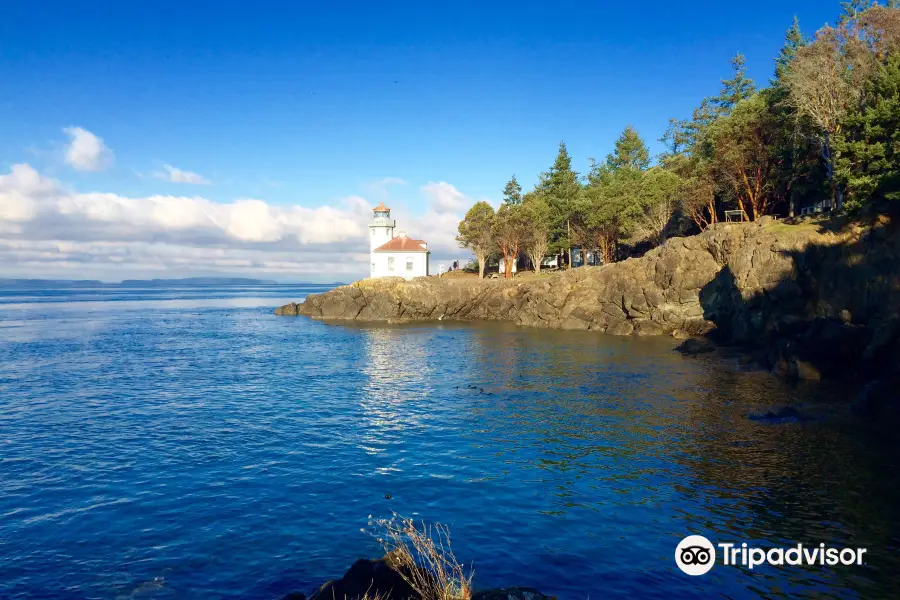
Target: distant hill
x: 56, y: 283
x: 49, y: 282
x: 199, y: 281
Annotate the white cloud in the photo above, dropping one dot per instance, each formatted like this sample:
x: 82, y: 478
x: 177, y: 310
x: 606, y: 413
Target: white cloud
x: 86, y: 151
x: 385, y: 182
x: 445, y: 198
x: 176, y: 175
x: 47, y: 230
x: 380, y: 188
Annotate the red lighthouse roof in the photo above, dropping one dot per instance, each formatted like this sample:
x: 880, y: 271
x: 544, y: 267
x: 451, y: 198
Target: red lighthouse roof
x: 381, y: 207
x: 403, y: 244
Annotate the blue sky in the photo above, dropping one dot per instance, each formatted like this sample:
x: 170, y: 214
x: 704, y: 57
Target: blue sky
x: 307, y: 104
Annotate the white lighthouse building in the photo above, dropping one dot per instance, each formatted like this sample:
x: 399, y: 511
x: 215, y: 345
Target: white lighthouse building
x: 394, y: 255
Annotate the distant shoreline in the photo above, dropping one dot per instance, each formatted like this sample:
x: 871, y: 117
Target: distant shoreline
x: 192, y: 281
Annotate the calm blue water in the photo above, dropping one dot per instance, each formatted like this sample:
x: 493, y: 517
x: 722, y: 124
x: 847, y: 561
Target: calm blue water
x: 186, y: 443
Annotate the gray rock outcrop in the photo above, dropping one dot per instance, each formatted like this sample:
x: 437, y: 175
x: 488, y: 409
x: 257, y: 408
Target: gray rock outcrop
x: 813, y: 297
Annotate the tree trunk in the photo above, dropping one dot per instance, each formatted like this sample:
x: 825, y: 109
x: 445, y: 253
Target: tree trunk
x: 837, y: 198
x: 536, y: 262
x: 482, y: 259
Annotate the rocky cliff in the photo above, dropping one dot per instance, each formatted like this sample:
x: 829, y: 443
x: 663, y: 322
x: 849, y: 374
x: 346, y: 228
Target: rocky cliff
x: 810, y: 295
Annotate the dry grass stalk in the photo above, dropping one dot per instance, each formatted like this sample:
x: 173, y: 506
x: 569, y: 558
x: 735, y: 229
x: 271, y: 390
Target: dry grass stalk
x: 424, y: 558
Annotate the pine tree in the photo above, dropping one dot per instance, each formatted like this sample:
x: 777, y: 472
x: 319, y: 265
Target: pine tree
x: 561, y: 188
x: 793, y: 41
x: 512, y: 193
x: 868, y: 163
x: 740, y: 87
x: 631, y: 152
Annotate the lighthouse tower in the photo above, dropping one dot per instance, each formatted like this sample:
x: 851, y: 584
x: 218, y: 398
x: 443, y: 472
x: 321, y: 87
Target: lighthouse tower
x: 394, y: 256
x: 381, y: 229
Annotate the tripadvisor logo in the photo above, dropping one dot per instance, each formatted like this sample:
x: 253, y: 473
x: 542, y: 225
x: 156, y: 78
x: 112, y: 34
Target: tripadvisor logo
x: 696, y: 555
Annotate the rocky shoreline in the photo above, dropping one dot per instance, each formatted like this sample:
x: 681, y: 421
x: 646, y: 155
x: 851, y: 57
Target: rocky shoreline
x: 812, y: 300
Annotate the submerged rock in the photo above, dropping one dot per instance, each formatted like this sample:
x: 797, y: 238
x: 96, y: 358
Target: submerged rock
x: 694, y: 346
x: 786, y: 414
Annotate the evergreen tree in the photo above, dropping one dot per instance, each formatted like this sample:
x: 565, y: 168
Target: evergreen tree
x: 561, y: 188
x: 869, y: 146
x: 631, y: 152
x: 512, y: 193
x: 793, y: 41
x: 740, y: 87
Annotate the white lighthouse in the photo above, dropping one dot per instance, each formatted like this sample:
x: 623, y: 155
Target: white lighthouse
x: 381, y: 229
x: 394, y: 256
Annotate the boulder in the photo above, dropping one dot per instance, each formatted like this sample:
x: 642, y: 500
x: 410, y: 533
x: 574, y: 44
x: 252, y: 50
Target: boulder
x: 372, y: 577
x: 694, y: 346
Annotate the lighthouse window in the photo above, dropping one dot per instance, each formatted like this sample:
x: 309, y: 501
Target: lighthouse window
x: 408, y: 264
x: 390, y: 263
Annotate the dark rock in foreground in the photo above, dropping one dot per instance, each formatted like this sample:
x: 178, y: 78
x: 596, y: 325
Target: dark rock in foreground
x: 372, y: 577
x: 382, y: 579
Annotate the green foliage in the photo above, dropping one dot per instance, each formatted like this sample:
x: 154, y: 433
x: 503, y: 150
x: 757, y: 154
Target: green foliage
x: 536, y: 223
x: 869, y: 144
x: 561, y: 189
x: 852, y: 9
x: 743, y: 157
x: 631, y: 152
x: 475, y: 231
x: 738, y: 88
x: 510, y: 231
x: 512, y: 193
x: 829, y: 122
x: 793, y: 41
x: 659, y: 199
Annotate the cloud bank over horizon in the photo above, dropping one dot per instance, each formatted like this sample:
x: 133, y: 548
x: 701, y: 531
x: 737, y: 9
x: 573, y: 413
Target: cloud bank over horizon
x: 50, y: 231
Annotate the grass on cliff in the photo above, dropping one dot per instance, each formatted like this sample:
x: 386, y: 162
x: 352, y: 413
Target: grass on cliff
x: 423, y: 556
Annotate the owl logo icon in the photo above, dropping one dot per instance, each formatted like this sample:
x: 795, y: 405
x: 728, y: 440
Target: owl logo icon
x: 695, y: 555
